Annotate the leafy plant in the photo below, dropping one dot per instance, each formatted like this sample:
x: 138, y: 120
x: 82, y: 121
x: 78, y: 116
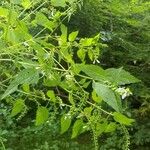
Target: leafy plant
x: 51, y: 72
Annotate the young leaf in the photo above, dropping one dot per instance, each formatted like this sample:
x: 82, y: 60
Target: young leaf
x: 107, y: 95
x: 96, y: 98
x: 51, y: 95
x: 26, y: 4
x: 81, y: 54
x: 4, y: 12
x: 122, y: 119
x: 77, y: 128
x: 65, y: 123
x: 41, y: 115
x: 18, y: 106
x: 72, y: 36
x: 27, y: 76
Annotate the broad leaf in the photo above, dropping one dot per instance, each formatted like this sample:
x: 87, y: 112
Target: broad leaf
x: 27, y: 76
x: 77, y: 128
x: 107, y: 95
x: 122, y: 119
x: 120, y: 76
x: 95, y: 72
x: 65, y: 123
x: 41, y: 115
x: 18, y: 106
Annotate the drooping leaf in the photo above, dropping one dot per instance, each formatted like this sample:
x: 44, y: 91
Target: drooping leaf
x: 122, y: 119
x: 18, y: 106
x: 28, y: 76
x: 65, y: 123
x: 77, y: 128
x: 72, y: 36
x: 120, y: 76
x: 41, y: 115
x: 107, y: 95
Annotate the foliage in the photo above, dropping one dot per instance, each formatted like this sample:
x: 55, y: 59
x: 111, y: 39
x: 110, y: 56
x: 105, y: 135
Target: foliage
x: 124, y: 27
x: 49, y: 73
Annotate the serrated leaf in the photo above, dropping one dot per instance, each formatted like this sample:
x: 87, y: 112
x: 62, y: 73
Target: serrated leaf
x: 120, y: 76
x: 65, y: 123
x: 77, y: 128
x: 86, y: 42
x: 73, y: 35
x: 41, y: 115
x: 122, y: 119
x: 107, y: 95
x: 95, y: 72
x: 27, y: 76
x: 18, y: 106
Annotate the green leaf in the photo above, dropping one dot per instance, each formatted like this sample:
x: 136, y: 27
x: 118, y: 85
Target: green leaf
x: 122, y: 119
x: 120, y: 76
x: 18, y: 106
x: 26, y: 87
x: 81, y: 54
x: 65, y: 123
x: 41, y: 115
x: 96, y: 98
x: 107, y: 95
x: 27, y: 76
x: 95, y: 72
x: 4, y: 12
x: 86, y: 42
x: 58, y: 3
x: 26, y: 4
x: 111, y: 127
x: 77, y: 128
x: 51, y: 95
x: 64, y: 33
x: 73, y: 35
x: 42, y: 20
x: 100, y: 128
